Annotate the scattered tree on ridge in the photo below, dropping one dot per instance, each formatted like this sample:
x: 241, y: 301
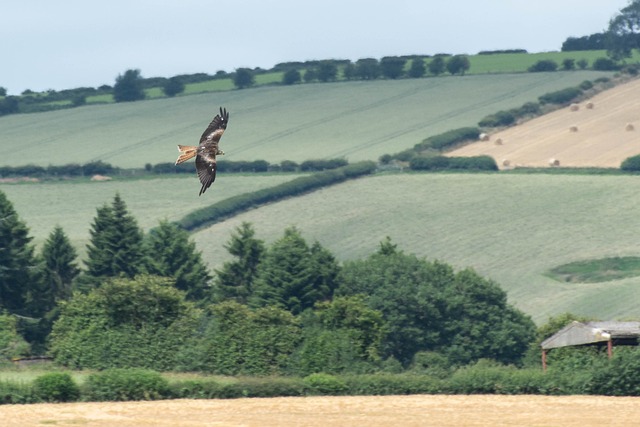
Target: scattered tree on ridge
x: 291, y: 77
x: 128, y: 87
x: 327, y: 71
x: 243, y: 78
x: 392, y: 67
x: 437, y: 66
x: 458, y: 64
x: 173, y: 86
x: 624, y: 31
x: 417, y: 69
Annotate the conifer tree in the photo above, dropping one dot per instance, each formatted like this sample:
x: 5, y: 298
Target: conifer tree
x: 17, y: 261
x: 174, y: 255
x: 235, y: 281
x: 60, y: 268
x: 116, y: 247
x: 294, y: 276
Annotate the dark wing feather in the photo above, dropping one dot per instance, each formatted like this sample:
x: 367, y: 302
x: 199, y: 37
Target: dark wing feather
x: 206, y: 167
x: 216, y: 128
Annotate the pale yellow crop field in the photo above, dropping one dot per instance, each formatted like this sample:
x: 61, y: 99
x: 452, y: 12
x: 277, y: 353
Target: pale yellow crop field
x: 600, y: 136
x: 370, y: 411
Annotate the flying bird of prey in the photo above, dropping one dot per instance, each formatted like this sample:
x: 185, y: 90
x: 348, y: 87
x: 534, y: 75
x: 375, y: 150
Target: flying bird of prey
x: 206, y: 152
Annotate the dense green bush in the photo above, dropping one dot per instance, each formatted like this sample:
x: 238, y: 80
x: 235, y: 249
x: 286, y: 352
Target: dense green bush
x: 322, y: 164
x: 16, y: 393
x: 487, y: 377
x: 56, y: 387
x: 619, y: 377
x: 434, y: 163
x: 605, y: 64
x: 125, y: 384
x: 386, y: 384
x: 631, y: 164
x: 543, y: 65
x: 586, y: 85
x: 562, y: 96
x: 501, y: 118
x: 325, y: 384
x: 448, y: 139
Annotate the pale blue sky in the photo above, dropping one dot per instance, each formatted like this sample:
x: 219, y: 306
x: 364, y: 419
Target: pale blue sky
x: 70, y: 43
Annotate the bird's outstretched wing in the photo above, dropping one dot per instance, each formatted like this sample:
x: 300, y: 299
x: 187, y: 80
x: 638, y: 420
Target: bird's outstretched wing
x: 206, y: 168
x: 216, y: 128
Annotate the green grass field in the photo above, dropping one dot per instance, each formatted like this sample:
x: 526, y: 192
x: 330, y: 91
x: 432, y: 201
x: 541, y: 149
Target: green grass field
x: 511, y: 228
x: 355, y: 120
x: 72, y: 205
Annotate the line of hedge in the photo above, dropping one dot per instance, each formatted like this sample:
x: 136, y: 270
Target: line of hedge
x: 439, y: 163
x: 485, y: 377
x: 234, y: 205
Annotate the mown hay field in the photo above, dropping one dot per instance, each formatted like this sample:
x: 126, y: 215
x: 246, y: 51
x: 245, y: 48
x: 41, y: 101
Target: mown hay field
x: 356, y: 120
x: 601, y: 131
x: 372, y: 411
x: 512, y: 228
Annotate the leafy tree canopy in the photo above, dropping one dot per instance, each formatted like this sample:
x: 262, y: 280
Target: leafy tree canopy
x: 128, y: 87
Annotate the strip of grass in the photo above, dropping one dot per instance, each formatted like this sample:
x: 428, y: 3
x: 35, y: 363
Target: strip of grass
x: 597, y: 270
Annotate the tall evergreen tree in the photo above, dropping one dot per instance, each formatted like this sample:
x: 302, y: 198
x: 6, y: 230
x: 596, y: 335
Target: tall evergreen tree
x: 294, y: 276
x: 60, y: 267
x: 235, y: 281
x: 174, y: 255
x: 17, y: 261
x: 116, y: 247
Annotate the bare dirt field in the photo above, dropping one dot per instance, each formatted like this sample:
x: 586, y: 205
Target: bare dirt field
x: 369, y: 411
x: 601, y: 132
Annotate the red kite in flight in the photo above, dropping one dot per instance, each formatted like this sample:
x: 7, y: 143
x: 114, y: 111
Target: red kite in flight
x: 206, y: 152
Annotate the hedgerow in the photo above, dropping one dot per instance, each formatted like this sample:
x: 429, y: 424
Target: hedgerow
x: 295, y: 187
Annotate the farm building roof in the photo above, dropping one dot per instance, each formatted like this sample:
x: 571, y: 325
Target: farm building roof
x: 578, y: 333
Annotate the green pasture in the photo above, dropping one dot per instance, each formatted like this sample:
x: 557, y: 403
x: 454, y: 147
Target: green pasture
x: 356, y: 120
x: 509, y: 227
x: 520, y: 62
x: 73, y: 204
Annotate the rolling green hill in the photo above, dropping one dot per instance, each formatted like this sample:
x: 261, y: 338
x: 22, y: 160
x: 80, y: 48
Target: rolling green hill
x: 355, y: 120
x: 512, y: 228
x: 509, y: 227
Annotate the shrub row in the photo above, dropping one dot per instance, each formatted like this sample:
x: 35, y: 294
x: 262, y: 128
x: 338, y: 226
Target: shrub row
x: 72, y: 169
x: 509, y: 117
x: 243, y: 202
x: 448, y: 139
x: 438, y: 163
x: 631, y: 164
x: 484, y: 377
x: 563, y: 96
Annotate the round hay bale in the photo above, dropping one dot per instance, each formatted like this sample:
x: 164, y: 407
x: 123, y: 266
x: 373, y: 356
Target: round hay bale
x: 484, y: 137
x: 574, y: 107
x: 589, y: 106
x: 573, y: 129
x: 554, y: 162
x: 506, y: 162
x: 498, y: 141
x: 629, y: 127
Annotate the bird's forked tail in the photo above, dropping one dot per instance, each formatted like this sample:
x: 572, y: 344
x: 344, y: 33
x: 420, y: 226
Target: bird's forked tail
x: 186, y: 152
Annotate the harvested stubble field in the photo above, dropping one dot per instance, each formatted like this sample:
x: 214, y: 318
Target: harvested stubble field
x: 578, y: 137
x: 419, y: 410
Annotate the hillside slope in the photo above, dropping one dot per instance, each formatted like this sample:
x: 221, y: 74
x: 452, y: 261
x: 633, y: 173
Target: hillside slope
x: 601, y: 139
x: 356, y: 120
x: 511, y: 228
